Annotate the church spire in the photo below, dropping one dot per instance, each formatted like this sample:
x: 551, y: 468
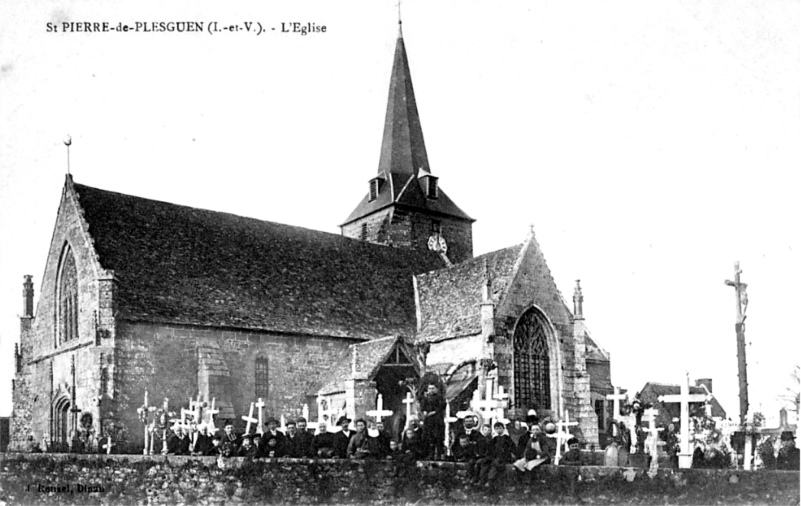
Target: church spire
x: 403, y: 150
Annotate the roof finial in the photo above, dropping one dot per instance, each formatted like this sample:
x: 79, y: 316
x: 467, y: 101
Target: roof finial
x: 400, y: 21
x: 68, y: 143
x: 578, y: 301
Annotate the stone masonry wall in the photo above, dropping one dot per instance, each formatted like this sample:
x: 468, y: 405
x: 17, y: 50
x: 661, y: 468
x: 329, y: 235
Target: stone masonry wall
x: 41, y: 353
x: 63, y: 479
x: 164, y: 360
x: 412, y: 229
x: 534, y: 285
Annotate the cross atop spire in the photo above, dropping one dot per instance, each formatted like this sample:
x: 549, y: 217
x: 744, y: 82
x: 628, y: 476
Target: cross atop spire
x: 403, y: 150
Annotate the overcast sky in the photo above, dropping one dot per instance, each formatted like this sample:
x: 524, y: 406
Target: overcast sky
x: 650, y: 144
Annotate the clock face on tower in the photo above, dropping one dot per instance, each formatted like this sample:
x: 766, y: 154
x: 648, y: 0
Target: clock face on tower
x: 437, y: 243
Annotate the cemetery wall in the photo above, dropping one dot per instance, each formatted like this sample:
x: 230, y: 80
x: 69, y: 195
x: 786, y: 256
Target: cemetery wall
x: 117, y: 479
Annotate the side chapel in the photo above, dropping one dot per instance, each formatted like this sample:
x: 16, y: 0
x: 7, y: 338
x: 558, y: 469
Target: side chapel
x: 144, y: 295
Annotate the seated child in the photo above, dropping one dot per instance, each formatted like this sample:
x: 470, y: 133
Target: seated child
x: 573, y: 456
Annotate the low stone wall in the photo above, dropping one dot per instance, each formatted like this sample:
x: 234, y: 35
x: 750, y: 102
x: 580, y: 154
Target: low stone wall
x: 136, y: 479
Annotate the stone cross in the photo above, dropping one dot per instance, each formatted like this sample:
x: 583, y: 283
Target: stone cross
x: 211, y: 412
x: 616, y: 398
x: 309, y: 424
x: 282, y: 427
x: 562, y: 435
x: 448, y: 420
x: 482, y: 407
x: 409, y: 400
x: 109, y: 444
x: 260, y: 428
x: 379, y: 412
x: 684, y: 398
x: 502, y: 398
x: 197, y: 408
x: 249, y: 419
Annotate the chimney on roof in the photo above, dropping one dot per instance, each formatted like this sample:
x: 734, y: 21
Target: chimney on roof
x: 27, y: 297
x: 706, y: 382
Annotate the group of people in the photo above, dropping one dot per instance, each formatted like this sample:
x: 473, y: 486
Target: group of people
x: 488, y: 451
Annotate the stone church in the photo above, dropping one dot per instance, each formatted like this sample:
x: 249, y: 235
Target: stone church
x: 144, y: 295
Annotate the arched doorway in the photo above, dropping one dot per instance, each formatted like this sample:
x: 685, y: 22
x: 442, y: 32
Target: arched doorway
x: 532, y: 364
x: 61, y: 424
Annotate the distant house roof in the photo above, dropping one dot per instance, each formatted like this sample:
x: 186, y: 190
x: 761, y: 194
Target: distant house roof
x: 178, y: 264
x: 450, y: 299
x: 651, y: 392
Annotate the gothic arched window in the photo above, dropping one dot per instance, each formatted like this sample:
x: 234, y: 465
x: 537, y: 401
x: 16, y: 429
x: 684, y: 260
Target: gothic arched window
x: 67, y: 298
x: 262, y: 386
x: 532, y: 372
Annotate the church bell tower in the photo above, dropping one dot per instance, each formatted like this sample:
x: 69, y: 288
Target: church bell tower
x: 404, y: 205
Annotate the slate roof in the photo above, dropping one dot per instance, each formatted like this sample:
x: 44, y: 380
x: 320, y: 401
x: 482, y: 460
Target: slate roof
x: 651, y: 392
x: 360, y: 361
x: 177, y: 264
x: 450, y: 299
x: 595, y: 352
x: 403, y: 152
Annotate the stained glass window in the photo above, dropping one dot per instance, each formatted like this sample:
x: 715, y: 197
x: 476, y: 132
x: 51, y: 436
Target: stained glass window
x: 67, y: 317
x: 261, y: 378
x: 532, y: 378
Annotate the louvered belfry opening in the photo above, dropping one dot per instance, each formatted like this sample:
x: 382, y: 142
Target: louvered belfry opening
x: 532, y: 377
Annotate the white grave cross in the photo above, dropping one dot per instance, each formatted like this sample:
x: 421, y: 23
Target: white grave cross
x: 448, y: 420
x: 260, y: 428
x: 562, y: 435
x: 249, y: 419
x: 501, y: 397
x: 211, y: 412
x: 379, y: 412
x: 653, y: 442
x: 409, y: 400
x: 684, y: 398
x: 616, y: 398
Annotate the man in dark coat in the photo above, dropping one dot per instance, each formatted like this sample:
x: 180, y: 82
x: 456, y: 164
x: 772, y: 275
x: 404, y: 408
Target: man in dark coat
x: 432, y: 405
x: 229, y: 443
x: 273, y: 432
x: 788, y: 458
x: 305, y: 439
x: 203, y: 443
x: 343, y: 437
x: 178, y: 443
x: 293, y: 442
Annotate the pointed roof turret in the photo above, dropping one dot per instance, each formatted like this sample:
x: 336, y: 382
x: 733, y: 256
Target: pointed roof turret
x: 403, y: 150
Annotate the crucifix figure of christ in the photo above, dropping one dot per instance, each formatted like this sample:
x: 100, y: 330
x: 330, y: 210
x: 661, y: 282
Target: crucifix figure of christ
x: 145, y: 411
x: 561, y: 435
x: 684, y: 399
x: 249, y: 420
x: 653, y: 443
x: 741, y: 299
x: 309, y: 424
x: 448, y: 420
x: 615, y: 398
x: 379, y: 412
x: 409, y: 400
x: 210, y: 423
x: 260, y: 428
